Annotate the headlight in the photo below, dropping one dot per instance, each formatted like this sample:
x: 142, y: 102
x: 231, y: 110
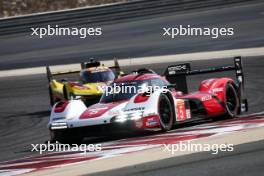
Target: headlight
x: 121, y: 118
x: 129, y: 116
x: 136, y: 115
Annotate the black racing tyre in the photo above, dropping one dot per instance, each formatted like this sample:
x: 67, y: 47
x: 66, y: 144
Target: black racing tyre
x: 231, y: 101
x: 165, y: 113
x: 64, y: 137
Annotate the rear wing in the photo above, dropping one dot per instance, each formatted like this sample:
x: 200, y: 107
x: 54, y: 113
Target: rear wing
x: 176, y: 74
x: 92, y: 63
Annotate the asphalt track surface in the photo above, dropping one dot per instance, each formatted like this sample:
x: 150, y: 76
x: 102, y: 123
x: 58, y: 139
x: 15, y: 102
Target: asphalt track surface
x: 246, y: 159
x: 138, y: 38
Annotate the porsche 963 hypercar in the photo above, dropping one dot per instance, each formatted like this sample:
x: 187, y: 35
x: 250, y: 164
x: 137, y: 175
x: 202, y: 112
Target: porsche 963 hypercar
x: 145, y: 108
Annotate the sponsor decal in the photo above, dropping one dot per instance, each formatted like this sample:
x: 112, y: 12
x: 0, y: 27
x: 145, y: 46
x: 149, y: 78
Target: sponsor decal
x: 114, y: 112
x: 181, y: 68
x: 206, y: 97
x: 95, y: 111
x: 216, y: 90
x: 135, y: 109
x: 183, y: 113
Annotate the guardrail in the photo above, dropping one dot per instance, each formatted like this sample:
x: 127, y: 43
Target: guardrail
x: 108, y: 14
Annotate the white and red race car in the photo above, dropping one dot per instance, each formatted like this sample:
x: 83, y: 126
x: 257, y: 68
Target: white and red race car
x: 148, y: 108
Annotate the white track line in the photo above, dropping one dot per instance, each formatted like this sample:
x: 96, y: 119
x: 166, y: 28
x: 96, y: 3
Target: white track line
x: 247, y: 52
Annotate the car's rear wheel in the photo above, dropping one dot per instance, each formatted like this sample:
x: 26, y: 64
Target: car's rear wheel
x: 165, y: 112
x: 231, y: 101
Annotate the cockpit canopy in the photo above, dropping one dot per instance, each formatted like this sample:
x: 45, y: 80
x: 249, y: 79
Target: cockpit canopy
x: 97, y: 75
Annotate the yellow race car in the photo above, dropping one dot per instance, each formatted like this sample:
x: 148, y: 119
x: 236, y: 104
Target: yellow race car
x: 93, y: 78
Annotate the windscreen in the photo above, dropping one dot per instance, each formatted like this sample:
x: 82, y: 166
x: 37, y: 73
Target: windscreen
x: 122, y: 91
x: 97, y: 76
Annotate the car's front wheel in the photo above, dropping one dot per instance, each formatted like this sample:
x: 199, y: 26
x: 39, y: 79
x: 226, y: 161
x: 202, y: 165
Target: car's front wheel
x: 165, y: 112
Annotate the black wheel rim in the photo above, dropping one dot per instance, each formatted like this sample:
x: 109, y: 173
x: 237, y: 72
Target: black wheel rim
x: 165, y: 111
x: 231, y: 100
